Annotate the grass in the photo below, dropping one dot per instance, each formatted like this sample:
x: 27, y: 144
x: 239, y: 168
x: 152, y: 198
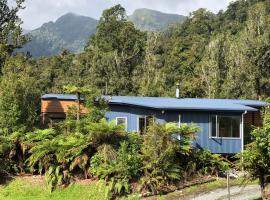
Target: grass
x: 18, y: 189
x: 23, y: 189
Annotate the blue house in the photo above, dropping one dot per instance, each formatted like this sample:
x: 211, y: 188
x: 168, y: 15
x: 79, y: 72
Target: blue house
x: 222, y: 121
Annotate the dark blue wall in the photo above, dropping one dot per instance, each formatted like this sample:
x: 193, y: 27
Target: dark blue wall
x: 202, y: 139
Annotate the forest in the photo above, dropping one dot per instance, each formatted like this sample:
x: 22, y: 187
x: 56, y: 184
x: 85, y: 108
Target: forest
x: 223, y: 55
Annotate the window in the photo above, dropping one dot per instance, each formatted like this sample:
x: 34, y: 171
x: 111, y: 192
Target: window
x: 121, y: 121
x: 225, y: 127
x: 141, y: 125
x: 144, y: 122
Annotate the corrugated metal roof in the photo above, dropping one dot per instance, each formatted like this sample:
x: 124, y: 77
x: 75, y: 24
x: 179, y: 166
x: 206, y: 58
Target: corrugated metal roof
x: 175, y: 104
x: 60, y: 96
x: 180, y: 104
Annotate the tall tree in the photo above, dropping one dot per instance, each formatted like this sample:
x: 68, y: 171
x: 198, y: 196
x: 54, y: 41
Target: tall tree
x: 116, y: 49
x: 19, y: 95
x: 10, y: 30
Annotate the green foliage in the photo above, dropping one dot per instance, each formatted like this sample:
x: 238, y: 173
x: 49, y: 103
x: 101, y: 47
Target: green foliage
x: 119, y: 167
x: 58, y: 153
x: 204, y: 162
x: 159, y: 154
x: 52, y: 37
x: 151, y: 20
x: 116, y: 49
x: 257, y: 154
x: 25, y: 189
x: 20, y: 95
x: 10, y: 30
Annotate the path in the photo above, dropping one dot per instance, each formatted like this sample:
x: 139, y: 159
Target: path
x: 237, y: 193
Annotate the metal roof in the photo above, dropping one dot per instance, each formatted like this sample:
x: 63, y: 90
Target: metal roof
x: 60, y: 97
x: 167, y: 103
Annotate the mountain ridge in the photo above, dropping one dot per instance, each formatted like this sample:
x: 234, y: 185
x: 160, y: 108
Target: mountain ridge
x: 72, y: 31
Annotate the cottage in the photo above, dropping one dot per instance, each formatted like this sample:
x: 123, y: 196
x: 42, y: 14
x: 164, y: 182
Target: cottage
x: 222, y: 121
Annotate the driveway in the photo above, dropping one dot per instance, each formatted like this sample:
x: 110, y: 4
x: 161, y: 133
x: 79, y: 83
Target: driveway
x: 237, y: 193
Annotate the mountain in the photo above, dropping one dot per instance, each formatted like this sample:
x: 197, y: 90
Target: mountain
x: 153, y: 20
x: 69, y: 32
x: 25, y: 31
x: 72, y: 31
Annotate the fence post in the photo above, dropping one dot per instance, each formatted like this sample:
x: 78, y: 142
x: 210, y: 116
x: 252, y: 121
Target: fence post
x: 228, y: 184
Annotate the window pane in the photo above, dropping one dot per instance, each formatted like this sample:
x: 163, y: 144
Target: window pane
x: 229, y: 126
x: 142, y: 125
x: 236, y: 127
x: 121, y: 121
x: 213, y: 126
x: 224, y: 127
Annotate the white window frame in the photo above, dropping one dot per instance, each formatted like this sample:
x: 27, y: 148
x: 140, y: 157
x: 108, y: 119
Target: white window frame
x: 116, y: 122
x: 217, y: 128
x: 138, y: 121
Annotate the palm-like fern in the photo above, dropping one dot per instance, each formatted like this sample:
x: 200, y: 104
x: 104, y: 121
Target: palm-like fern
x: 159, y: 152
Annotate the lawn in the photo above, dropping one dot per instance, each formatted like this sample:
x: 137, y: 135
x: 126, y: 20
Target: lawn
x: 20, y: 189
x: 29, y: 188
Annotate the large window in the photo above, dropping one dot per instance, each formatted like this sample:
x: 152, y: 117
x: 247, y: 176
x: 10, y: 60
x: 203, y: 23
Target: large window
x: 225, y: 126
x: 122, y: 121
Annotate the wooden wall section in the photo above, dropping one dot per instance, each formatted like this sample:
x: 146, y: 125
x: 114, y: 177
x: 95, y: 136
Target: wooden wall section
x: 59, y: 106
x: 253, y: 119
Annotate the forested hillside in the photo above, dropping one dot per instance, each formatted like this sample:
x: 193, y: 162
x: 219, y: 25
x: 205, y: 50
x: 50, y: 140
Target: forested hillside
x: 152, y: 20
x: 224, y: 55
x: 219, y: 56
x: 70, y: 32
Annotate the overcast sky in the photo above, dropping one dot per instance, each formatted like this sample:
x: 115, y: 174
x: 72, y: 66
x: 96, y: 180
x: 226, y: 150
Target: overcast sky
x: 38, y: 12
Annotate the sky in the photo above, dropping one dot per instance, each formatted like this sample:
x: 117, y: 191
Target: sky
x: 37, y: 12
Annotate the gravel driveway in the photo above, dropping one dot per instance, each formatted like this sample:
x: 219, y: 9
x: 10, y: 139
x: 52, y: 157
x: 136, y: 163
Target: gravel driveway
x: 237, y: 193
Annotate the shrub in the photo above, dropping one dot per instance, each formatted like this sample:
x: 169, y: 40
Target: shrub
x: 256, y: 156
x: 159, y: 151
x: 119, y: 167
x: 202, y: 162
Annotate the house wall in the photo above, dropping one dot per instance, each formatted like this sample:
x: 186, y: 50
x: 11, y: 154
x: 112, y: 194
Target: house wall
x: 253, y: 119
x: 202, y: 140
x: 59, y: 106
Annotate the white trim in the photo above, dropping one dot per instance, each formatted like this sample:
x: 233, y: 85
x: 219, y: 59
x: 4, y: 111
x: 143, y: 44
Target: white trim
x: 126, y: 124
x: 217, y: 128
x: 179, y: 125
x: 179, y: 120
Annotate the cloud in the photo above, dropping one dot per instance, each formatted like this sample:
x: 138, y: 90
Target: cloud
x: 38, y: 12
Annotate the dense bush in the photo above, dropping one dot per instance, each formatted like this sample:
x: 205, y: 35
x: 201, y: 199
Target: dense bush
x: 157, y: 160
x: 159, y: 151
x: 256, y: 156
x: 119, y: 167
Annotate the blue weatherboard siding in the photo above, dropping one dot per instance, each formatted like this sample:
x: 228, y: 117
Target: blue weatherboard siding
x: 195, y: 110
x: 201, y: 119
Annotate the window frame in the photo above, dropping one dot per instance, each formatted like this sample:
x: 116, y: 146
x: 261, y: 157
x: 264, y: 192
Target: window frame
x: 116, y: 121
x: 145, y: 121
x: 138, y: 122
x: 217, y: 127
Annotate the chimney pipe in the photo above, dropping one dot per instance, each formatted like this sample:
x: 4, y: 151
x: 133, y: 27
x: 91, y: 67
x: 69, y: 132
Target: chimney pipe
x: 177, y: 94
